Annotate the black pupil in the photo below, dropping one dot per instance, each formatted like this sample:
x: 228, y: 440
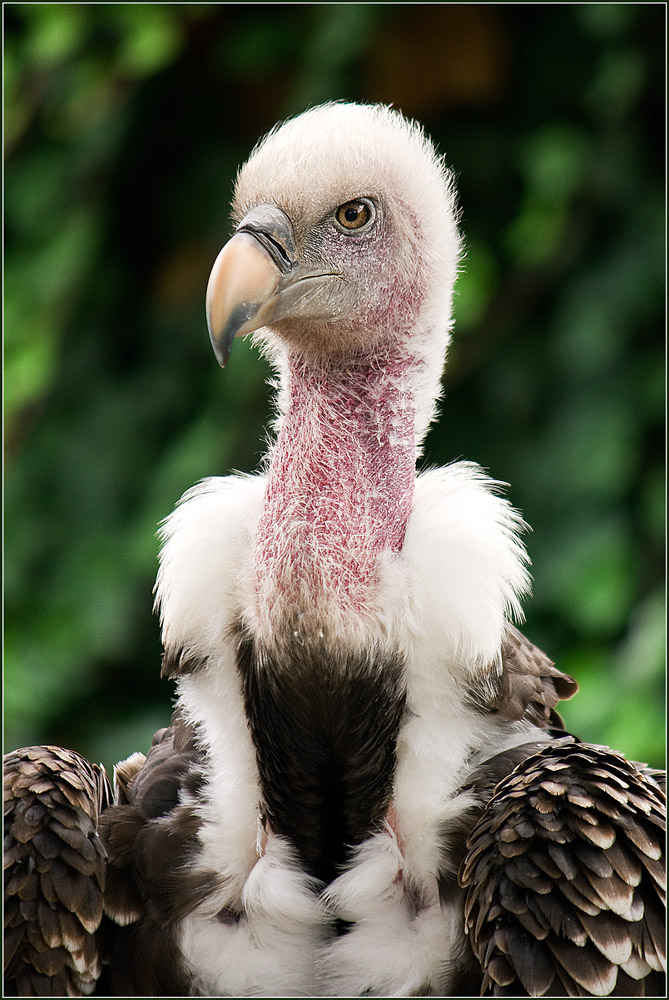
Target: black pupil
x: 351, y: 214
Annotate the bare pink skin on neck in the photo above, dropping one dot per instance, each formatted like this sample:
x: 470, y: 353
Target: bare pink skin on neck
x: 340, y: 484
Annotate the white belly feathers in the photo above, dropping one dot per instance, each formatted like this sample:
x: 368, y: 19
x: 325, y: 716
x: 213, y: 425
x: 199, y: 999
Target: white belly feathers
x: 442, y: 603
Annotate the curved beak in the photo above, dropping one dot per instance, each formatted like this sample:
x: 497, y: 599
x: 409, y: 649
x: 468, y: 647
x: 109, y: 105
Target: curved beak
x: 246, y: 279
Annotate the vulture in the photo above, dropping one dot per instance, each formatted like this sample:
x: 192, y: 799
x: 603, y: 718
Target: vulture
x: 366, y: 788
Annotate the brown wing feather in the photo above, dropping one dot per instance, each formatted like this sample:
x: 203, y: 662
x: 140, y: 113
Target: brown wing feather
x: 527, y: 684
x: 565, y: 878
x: 54, y: 872
x: 94, y: 889
x: 150, y: 834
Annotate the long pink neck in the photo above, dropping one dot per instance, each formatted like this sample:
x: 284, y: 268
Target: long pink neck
x: 340, y: 485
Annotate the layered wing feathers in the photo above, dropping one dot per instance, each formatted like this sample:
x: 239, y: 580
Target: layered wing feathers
x: 527, y: 685
x: 565, y: 878
x: 54, y: 872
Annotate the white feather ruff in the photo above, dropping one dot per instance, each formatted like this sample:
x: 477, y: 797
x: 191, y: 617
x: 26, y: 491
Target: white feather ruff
x: 443, y: 603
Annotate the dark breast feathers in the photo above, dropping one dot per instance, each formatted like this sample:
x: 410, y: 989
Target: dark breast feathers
x: 325, y: 745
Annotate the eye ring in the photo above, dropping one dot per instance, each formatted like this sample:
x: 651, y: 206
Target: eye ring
x: 355, y: 216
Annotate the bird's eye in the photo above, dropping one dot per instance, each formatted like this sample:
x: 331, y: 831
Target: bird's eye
x: 353, y: 216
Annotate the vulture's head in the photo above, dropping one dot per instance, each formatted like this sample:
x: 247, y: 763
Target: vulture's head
x: 345, y: 243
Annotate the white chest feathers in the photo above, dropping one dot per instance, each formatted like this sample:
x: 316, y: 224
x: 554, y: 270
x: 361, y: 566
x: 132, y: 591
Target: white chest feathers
x: 441, y: 603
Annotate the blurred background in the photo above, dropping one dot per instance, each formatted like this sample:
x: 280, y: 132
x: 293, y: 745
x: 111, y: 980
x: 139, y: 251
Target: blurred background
x: 124, y: 126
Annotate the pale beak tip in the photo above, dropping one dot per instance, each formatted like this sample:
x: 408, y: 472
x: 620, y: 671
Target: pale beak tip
x: 221, y: 345
x: 221, y: 356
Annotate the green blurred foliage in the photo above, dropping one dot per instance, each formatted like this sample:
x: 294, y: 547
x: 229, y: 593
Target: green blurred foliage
x: 124, y: 125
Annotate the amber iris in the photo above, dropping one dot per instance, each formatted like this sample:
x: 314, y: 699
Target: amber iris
x: 353, y: 215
